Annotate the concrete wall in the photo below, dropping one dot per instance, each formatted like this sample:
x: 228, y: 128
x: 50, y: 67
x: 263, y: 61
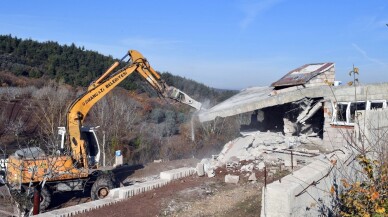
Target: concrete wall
x: 364, y: 92
x: 336, y: 137
x: 371, y: 130
x: 306, y: 190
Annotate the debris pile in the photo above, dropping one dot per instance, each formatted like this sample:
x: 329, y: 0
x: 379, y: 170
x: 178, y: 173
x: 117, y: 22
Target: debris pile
x: 247, y: 156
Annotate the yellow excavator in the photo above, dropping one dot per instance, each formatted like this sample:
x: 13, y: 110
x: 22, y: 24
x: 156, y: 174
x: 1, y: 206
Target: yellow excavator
x: 72, y: 169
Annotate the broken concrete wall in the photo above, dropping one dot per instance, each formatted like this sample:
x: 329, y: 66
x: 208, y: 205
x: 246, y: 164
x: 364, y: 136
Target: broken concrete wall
x: 291, y: 119
x: 305, y: 191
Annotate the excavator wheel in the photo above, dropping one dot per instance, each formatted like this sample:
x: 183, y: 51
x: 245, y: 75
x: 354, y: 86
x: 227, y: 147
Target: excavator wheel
x: 102, y: 186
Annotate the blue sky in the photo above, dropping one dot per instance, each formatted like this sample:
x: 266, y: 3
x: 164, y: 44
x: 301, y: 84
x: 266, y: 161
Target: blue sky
x: 230, y: 44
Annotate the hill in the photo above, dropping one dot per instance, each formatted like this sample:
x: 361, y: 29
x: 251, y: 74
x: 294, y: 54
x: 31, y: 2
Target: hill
x: 38, y: 80
x: 77, y: 66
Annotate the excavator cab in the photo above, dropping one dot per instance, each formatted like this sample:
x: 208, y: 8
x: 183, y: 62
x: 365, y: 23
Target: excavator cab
x: 92, y: 146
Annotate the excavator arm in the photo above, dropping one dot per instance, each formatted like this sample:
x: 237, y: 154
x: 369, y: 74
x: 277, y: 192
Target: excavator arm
x: 103, y: 85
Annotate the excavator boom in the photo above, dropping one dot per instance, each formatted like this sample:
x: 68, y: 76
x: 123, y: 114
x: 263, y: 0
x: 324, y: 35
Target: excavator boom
x: 103, y: 85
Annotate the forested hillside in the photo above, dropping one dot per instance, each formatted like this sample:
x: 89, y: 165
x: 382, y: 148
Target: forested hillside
x: 38, y: 80
x: 77, y: 66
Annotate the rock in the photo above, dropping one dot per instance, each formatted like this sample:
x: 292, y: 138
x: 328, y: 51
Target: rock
x: 206, y: 163
x: 231, y: 164
x: 252, y: 177
x: 232, y: 179
x: 247, y: 168
x: 261, y: 166
x: 200, y: 169
x: 211, y: 173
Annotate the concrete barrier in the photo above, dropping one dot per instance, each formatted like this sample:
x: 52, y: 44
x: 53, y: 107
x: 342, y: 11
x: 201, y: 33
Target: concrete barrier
x: 129, y: 191
x: 306, y: 190
x: 119, y: 194
x: 177, y: 173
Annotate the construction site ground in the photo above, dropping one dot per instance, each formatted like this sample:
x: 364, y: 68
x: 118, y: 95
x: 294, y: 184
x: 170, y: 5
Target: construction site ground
x: 190, y: 196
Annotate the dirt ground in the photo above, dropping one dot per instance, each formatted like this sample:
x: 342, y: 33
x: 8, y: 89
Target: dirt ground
x: 190, y: 196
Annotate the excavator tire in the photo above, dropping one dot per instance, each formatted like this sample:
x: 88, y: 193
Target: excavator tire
x: 102, y: 186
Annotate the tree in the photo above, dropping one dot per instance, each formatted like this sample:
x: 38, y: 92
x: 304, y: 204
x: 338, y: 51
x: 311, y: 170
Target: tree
x: 52, y: 102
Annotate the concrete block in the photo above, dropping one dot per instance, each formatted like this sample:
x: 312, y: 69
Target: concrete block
x: 177, y: 173
x: 114, y: 193
x: 252, y: 177
x: 261, y: 165
x: 81, y: 208
x: 200, y: 169
x: 211, y: 173
x: 69, y: 211
x: 247, y: 168
x: 129, y: 191
x: 232, y: 179
x: 46, y: 214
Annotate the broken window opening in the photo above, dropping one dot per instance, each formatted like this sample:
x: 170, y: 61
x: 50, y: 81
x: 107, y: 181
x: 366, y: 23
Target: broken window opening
x: 341, y: 112
x: 356, y: 106
x: 376, y: 105
x: 345, y: 112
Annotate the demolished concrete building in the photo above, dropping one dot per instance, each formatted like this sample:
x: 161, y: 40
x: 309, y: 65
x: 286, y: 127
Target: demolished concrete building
x: 305, y: 102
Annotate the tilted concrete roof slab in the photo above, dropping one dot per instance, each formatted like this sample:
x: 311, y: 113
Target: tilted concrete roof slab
x: 302, y: 74
x: 254, y: 98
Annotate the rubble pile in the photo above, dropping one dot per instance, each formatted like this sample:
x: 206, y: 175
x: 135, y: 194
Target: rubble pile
x: 247, y: 156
